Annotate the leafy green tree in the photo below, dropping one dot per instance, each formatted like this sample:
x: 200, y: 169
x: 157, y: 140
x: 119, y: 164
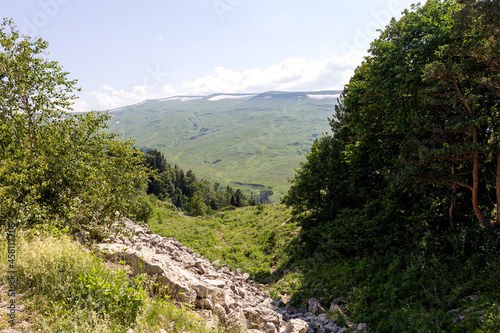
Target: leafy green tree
x: 141, y: 209
x: 372, y: 158
x: 264, y: 196
x: 320, y: 186
x: 156, y: 160
x: 56, y: 166
x: 181, y: 188
x: 197, y: 207
x: 251, y: 201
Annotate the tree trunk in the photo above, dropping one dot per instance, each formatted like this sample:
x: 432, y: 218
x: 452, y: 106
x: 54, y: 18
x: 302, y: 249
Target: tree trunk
x: 453, y: 205
x: 475, y: 191
x: 475, y: 170
x: 497, y: 182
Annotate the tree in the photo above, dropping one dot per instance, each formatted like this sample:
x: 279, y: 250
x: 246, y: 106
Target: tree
x: 197, y: 207
x: 33, y: 90
x: 56, y: 166
x: 465, y: 76
x: 420, y: 113
x: 372, y: 157
x: 478, y: 30
x: 320, y: 186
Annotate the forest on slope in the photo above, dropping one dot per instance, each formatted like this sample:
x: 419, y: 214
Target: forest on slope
x: 407, y: 188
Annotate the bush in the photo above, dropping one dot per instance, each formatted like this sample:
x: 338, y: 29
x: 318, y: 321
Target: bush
x: 142, y: 209
x: 111, y: 294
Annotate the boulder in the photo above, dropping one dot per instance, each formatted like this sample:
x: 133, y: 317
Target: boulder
x: 269, y: 328
x: 362, y: 327
x: 335, y: 308
x: 331, y: 328
x: 323, y: 319
x: 236, y: 322
x: 315, y: 306
x: 296, y: 326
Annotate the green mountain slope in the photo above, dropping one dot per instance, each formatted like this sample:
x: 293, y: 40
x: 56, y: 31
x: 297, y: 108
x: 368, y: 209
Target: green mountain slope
x: 252, y: 141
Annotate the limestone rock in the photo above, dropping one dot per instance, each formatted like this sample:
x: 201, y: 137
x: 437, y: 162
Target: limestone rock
x: 334, y: 307
x: 269, y: 328
x: 296, y: 326
x: 331, y: 328
x: 362, y: 327
x: 323, y: 319
x: 236, y: 322
x: 315, y: 306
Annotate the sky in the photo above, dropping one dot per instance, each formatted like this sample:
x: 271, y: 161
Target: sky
x: 124, y: 52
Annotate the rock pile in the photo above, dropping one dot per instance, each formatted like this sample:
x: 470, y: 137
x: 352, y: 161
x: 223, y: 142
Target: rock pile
x: 237, y: 302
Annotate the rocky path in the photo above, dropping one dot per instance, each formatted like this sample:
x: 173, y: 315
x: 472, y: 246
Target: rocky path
x: 231, y: 298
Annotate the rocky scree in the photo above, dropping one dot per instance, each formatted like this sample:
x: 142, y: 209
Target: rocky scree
x: 230, y: 298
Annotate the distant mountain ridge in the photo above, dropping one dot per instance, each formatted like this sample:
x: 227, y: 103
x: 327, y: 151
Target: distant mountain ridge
x: 253, y: 140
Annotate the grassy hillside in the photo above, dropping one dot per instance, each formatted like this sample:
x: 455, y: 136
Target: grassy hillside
x: 250, y: 141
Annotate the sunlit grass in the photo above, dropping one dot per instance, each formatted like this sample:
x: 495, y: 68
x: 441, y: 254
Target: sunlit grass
x: 65, y: 288
x: 251, y: 238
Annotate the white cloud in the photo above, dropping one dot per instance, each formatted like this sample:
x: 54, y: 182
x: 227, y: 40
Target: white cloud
x: 108, y: 98
x: 292, y: 74
x: 168, y: 90
x: 80, y: 105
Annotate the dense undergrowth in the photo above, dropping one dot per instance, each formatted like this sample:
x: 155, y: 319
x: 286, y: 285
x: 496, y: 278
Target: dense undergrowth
x: 407, y: 291
x: 62, y: 287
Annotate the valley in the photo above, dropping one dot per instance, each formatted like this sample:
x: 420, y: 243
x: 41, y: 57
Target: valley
x: 249, y: 141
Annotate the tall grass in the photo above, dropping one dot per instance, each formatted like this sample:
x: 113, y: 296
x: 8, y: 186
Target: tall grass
x: 251, y: 238
x: 66, y: 288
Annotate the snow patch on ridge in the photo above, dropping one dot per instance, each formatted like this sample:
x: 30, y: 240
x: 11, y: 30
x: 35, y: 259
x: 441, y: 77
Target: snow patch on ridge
x: 325, y: 96
x: 181, y: 98
x: 219, y: 97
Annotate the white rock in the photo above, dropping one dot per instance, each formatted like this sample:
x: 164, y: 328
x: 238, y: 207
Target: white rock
x: 296, y: 326
x: 216, y: 283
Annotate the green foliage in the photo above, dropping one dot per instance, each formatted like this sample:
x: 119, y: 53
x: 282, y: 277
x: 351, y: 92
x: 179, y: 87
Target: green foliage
x: 59, y: 270
x: 416, y: 126
x: 249, y: 238
x: 320, y: 185
x: 142, y: 209
x: 402, y: 291
x: 197, y: 207
x: 162, y: 313
x: 111, y: 294
x: 341, y: 320
x: 57, y: 166
x: 393, y: 198
x: 185, y: 191
x: 444, y: 284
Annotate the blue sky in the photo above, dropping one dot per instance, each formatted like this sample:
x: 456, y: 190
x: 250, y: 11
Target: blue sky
x: 123, y: 52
